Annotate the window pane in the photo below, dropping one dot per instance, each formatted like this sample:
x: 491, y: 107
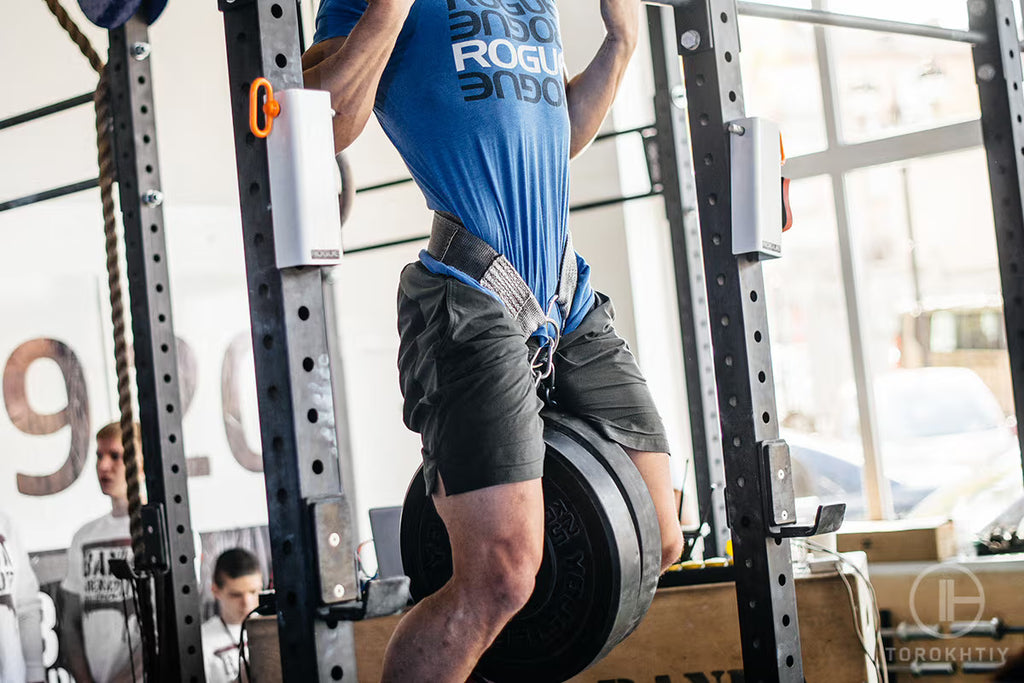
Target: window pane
x: 811, y: 349
x: 781, y: 83
x: 935, y: 337
x: 891, y: 84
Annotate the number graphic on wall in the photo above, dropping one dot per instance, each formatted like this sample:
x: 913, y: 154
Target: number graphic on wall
x: 231, y: 403
x: 75, y: 414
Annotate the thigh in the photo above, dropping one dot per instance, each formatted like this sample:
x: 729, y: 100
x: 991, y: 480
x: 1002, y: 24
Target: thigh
x: 598, y: 379
x: 495, y: 527
x: 465, y: 374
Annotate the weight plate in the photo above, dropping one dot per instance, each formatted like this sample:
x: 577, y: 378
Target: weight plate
x: 637, y: 495
x: 585, y: 599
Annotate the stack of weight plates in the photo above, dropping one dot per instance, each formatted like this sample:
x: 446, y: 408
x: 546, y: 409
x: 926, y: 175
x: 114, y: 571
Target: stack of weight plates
x: 602, y: 558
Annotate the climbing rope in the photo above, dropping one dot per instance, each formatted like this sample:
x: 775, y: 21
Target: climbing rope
x: 105, y: 152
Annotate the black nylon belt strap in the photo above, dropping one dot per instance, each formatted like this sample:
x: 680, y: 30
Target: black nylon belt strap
x: 453, y: 245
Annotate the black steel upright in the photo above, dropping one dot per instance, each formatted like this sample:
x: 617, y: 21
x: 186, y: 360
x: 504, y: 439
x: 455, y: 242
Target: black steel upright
x: 309, y: 518
x: 997, y: 67
x: 156, y: 363
x: 674, y: 171
x: 707, y: 38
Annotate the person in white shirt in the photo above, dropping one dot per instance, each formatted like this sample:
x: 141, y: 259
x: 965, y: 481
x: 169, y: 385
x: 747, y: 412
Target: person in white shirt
x: 100, y: 637
x: 21, y: 639
x: 237, y: 582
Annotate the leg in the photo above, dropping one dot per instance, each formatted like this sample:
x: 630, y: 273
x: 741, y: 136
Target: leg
x: 654, y: 469
x: 497, y: 536
x: 597, y: 378
x: 465, y: 375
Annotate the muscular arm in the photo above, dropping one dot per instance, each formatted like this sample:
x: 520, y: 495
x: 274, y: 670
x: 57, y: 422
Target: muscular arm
x: 591, y: 93
x: 71, y: 642
x: 350, y: 67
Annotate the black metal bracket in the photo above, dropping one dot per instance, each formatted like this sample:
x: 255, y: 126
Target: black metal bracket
x: 154, y: 534
x: 694, y: 32
x: 828, y: 519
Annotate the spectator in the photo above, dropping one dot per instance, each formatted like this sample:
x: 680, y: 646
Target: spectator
x: 237, y: 582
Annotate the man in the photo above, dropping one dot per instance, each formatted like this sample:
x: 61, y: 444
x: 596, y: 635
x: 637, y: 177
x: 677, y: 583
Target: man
x: 474, y: 96
x: 237, y: 582
x: 21, y: 639
x: 99, y: 628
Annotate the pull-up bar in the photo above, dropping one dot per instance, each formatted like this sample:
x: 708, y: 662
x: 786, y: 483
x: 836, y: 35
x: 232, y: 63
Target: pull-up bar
x: 811, y: 16
x: 814, y: 16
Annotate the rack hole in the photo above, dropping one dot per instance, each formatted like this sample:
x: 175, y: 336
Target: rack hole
x: 753, y: 296
x: 162, y: 318
x: 782, y: 579
x: 257, y: 239
x: 745, y: 521
x: 307, y: 364
x: 785, y: 620
x: 277, y: 443
x: 175, y: 469
x: 287, y: 547
x: 318, y: 467
x: 177, y: 498
x: 170, y: 407
x: 704, y: 119
x: 712, y: 199
x: 312, y: 415
x: 272, y: 392
x: 146, y: 139
x: 183, y: 559
x: 699, y: 79
x: 276, y: 11
x: 757, y: 336
x: 789, y: 660
x: 189, y: 619
x: 737, y: 441
x: 741, y: 482
x: 709, y: 159
x: 724, y: 17
x: 303, y: 313
x: 766, y: 418
x: 761, y: 377
x: 159, y: 288
x: 264, y: 291
x: 173, y: 438
x: 728, y: 56
x: 268, y: 342
x: 167, y: 378
x: 725, y: 321
x: 282, y: 498
x: 142, y: 79
x: 281, y: 60
x: 180, y: 529
x: 716, y: 239
x: 254, y: 188
x: 336, y: 673
x: 153, y: 228
x: 732, y: 95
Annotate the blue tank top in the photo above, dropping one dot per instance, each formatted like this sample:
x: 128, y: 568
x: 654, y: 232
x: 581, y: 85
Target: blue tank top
x: 473, y: 98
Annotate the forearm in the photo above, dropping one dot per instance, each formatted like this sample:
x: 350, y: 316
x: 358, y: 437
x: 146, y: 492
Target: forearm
x: 72, y: 646
x: 591, y: 93
x: 30, y: 629
x: 352, y: 73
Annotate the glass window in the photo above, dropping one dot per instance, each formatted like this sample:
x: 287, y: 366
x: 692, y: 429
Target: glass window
x: 934, y: 339
x: 811, y: 349
x: 781, y: 82
x: 890, y: 84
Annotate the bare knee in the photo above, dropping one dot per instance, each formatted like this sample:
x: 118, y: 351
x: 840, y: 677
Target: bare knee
x: 503, y: 585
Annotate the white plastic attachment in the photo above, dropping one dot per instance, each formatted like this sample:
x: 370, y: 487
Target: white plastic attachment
x: 756, y: 162
x: 304, y: 181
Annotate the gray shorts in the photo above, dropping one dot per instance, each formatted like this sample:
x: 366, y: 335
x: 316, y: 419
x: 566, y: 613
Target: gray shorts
x: 464, y: 370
